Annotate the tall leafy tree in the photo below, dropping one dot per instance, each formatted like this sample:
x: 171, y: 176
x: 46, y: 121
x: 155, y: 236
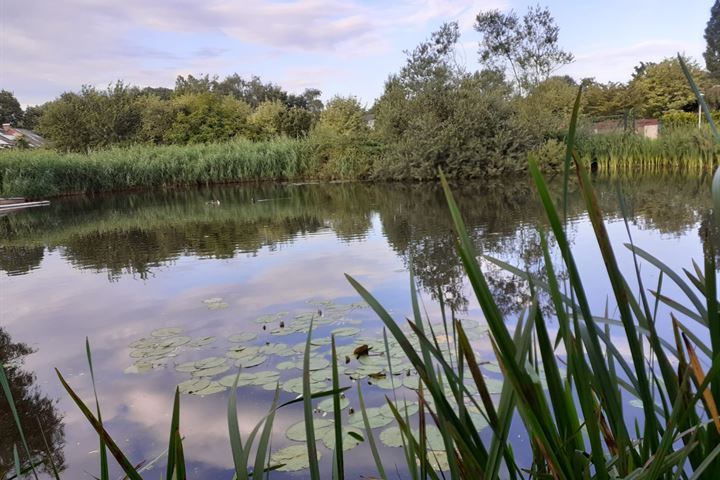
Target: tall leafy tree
x: 527, y: 47
x: 712, y: 38
x: 10, y: 109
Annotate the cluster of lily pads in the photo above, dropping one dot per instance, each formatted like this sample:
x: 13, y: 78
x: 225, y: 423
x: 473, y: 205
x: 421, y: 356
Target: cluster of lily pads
x: 256, y: 361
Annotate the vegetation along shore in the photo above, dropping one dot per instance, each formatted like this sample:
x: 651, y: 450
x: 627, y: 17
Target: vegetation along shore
x: 434, y: 113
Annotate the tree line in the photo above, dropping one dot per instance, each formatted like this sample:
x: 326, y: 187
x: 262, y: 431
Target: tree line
x: 434, y: 112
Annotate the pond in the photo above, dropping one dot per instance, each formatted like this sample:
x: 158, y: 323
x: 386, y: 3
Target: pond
x: 180, y: 287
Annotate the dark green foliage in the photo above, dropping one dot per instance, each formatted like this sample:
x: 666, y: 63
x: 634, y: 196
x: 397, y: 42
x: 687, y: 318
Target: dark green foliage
x: 527, y: 47
x: 433, y: 114
x: 660, y: 87
x: 10, y: 109
x: 340, y: 141
x: 712, y: 40
x: 91, y: 119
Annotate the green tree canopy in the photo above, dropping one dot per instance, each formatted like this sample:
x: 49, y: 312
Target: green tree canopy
x: 10, y: 109
x: 527, y: 47
x: 712, y: 40
x: 661, y: 87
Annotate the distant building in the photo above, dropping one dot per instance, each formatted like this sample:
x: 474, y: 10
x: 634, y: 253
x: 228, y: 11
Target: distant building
x: 11, y: 137
x: 647, y: 127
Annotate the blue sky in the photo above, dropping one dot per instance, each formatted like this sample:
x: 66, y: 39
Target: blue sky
x: 342, y: 47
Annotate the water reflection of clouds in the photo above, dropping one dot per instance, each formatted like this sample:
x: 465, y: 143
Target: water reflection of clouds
x: 54, y: 307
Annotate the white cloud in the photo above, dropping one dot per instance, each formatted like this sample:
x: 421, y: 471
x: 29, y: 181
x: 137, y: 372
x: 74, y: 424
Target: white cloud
x: 617, y: 64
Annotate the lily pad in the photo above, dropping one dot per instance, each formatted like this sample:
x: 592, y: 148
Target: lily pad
x: 242, y: 337
x: 248, y: 362
x: 286, y: 365
x: 346, y: 331
x: 211, y: 371
x: 166, y: 332
x: 376, y: 418
x: 282, y: 349
x: 293, y: 458
x: 193, y: 385
x: 296, y: 431
x: 271, y: 317
x: 200, y: 342
x: 327, y: 404
x: 214, y: 387
x: 244, y: 379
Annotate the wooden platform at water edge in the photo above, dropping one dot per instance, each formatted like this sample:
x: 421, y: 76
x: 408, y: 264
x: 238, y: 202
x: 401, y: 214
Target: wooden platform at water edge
x: 9, y: 204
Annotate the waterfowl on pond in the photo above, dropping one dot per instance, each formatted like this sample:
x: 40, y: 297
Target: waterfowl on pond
x: 214, y: 203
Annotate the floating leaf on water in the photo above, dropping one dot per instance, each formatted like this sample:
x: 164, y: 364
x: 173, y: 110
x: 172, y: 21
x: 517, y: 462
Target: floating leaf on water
x: 271, y: 317
x: 214, y: 387
x: 286, y: 365
x: 266, y: 377
x: 327, y: 437
x: 211, y: 371
x: 293, y: 458
x: 405, y: 408
x: 242, y: 337
x: 321, y: 341
x: 143, y: 343
x: 321, y: 375
x: 193, y: 385
x: 637, y: 403
x: 392, y: 437
x: 166, y: 332
x: 145, y: 366
x: 210, y: 362
x: 296, y: 431
x: 282, y: 349
x: 173, y: 342
x: 156, y: 352
x: 248, y: 362
x: 242, y: 352
x: 318, y: 363
x: 492, y: 367
x: 200, y: 342
x: 327, y: 404
x: 244, y: 379
x: 294, y: 385
x: 346, y: 331
x: 376, y: 418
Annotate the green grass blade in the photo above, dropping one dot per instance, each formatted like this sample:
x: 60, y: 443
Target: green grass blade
x: 48, y: 452
x: 264, y: 442
x: 369, y: 436
x: 236, y: 445
x: 700, y: 98
x: 119, y: 456
x: 340, y: 469
x: 104, y: 470
x: 308, y: 411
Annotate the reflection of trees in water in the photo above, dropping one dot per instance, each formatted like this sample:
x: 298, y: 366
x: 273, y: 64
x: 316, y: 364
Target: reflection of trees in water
x: 34, y: 410
x: 138, y: 232
x: 18, y: 260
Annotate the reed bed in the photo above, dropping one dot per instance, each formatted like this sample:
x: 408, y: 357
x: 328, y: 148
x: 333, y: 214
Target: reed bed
x: 46, y: 173
x: 683, y: 150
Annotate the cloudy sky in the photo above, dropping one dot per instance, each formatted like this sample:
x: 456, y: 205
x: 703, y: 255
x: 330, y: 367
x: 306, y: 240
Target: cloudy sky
x: 340, y: 46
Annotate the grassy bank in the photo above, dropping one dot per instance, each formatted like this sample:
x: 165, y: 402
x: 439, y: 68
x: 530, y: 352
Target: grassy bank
x: 46, y: 173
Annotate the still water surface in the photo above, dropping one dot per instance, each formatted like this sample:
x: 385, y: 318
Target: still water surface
x: 116, y: 268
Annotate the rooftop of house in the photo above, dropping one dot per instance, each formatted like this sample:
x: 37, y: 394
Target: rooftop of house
x: 10, y: 135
